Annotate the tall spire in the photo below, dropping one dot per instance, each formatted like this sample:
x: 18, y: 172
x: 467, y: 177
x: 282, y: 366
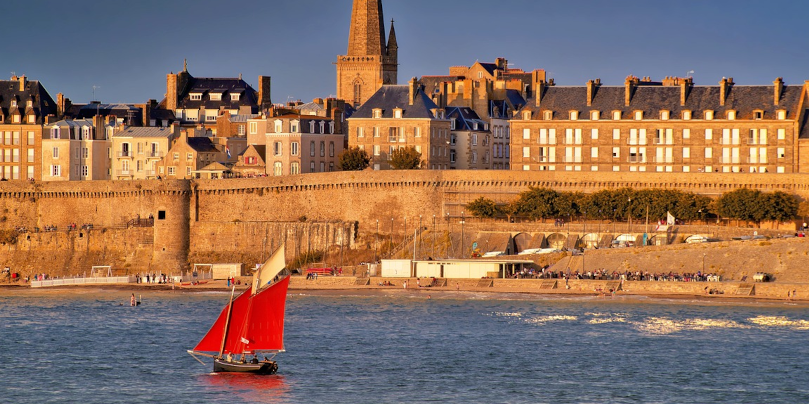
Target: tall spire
x: 367, y: 35
x: 393, y: 46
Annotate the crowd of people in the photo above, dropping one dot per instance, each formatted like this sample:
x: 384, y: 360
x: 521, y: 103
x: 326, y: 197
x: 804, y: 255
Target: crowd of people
x: 606, y: 275
x: 159, y: 279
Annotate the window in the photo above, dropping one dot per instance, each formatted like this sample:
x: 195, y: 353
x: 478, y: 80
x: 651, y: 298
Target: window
x: 253, y: 128
x: 781, y: 152
x: 417, y: 132
x: 709, y: 115
x: 216, y: 97
x: 594, y: 134
x: 474, y: 156
x: 731, y: 115
x: 452, y: 156
x: 322, y: 167
x: 376, y: 150
x: 526, y: 133
x: 686, y: 152
x: 189, y: 156
x: 708, y: 134
x: 30, y: 155
x: 453, y: 139
x: 686, y: 115
x: 616, y: 134
x: 708, y: 153
x: 616, y: 152
x: 56, y: 171
x: 638, y: 115
x: 664, y: 115
x: 277, y: 169
x: 277, y: 148
x: 781, y: 115
x: 782, y: 134
x: 758, y: 115
x: 526, y: 152
x: 293, y: 127
x: 294, y: 148
x: 574, y: 115
x: 686, y: 133
x: 474, y: 139
x: 196, y: 97
x: 32, y: 118
x: 294, y: 168
x: 312, y: 127
x: 594, y: 115
x: 360, y: 132
x: 397, y: 113
x: 240, y: 130
x: 377, y: 113
x: 594, y: 152
x: 85, y: 152
x: 56, y: 152
x: 616, y: 115
x: 376, y: 132
x: 16, y: 138
x: 235, y: 97
x: 322, y: 149
x: 547, y: 115
x: 331, y: 149
x: 279, y: 126
x: 312, y: 149
x: 172, y: 170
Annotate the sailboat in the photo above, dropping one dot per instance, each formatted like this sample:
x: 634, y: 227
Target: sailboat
x: 251, y: 324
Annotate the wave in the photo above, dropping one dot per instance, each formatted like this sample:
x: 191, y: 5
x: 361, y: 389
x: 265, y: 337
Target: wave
x: 773, y: 321
x: 547, y: 319
x: 665, y: 326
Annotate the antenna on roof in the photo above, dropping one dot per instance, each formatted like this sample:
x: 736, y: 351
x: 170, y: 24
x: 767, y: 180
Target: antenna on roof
x: 13, y: 74
x: 690, y: 73
x: 94, y: 91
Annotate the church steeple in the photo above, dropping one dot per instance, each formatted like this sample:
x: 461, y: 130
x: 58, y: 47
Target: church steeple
x: 367, y: 35
x: 369, y: 63
x: 393, y: 46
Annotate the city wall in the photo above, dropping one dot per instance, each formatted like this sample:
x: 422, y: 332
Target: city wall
x: 242, y: 219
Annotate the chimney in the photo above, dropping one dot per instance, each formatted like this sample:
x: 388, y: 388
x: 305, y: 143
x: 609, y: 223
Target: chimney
x: 413, y: 90
x: 538, y: 83
x: 264, y: 90
x: 592, y: 87
x: 631, y: 83
x: 171, y: 92
x: 98, y: 127
x: 685, y: 90
x: 779, y: 89
x: 501, y: 63
x: 724, y: 89
x: 23, y: 80
x: 60, y: 105
x: 147, y: 112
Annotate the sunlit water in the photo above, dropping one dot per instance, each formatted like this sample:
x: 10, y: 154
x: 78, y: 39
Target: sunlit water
x: 401, y: 347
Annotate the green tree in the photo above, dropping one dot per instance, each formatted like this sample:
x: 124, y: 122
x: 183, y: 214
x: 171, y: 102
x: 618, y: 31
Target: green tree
x: 354, y: 159
x: 483, y: 208
x: 781, y: 206
x: 406, y: 158
x: 537, y: 203
x: 743, y: 204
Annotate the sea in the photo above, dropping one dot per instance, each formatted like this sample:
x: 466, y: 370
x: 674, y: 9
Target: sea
x: 90, y: 346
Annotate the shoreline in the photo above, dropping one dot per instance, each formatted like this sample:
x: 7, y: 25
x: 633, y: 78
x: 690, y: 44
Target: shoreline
x: 369, y: 290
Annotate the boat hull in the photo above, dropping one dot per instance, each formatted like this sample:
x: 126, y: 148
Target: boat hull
x: 261, y: 368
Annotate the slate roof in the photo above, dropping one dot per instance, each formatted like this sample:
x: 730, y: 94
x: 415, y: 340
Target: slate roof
x: 202, y: 145
x: 390, y: 97
x: 242, y: 118
x: 144, y: 132
x: 465, y: 118
x: 652, y: 99
x: 43, y: 104
x: 224, y: 86
x: 129, y: 112
x: 433, y: 83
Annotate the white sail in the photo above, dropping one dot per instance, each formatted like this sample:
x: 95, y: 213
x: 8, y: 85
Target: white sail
x: 270, y: 269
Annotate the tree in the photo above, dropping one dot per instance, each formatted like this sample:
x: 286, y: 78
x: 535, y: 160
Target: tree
x: 483, y: 208
x: 781, y: 206
x: 537, y: 203
x: 354, y: 159
x: 406, y: 158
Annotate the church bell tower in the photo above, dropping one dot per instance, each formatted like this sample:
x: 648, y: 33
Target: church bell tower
x: 369, y: 62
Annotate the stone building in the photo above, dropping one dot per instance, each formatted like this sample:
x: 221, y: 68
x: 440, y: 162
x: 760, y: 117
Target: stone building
x: 200, y: 101
x: 470, y: 140
x: 671, y: 126
x: 369, y: 63
x: 493, y: 91
x: 401, y: 116
x: 188, y: 157
x: 137, y: 151
x: 77, y: 150
x: 25, y: 106
x: 298, y: 144
x: 251, y: 163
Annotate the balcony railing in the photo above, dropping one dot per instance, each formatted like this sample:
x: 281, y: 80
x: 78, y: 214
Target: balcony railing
x: 155, y: 154
x: 125, y: 153
x: 124, y: 173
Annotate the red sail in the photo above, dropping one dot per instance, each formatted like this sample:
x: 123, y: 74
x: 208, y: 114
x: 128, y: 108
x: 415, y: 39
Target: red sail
x: 212, y: 341
x: 256, y: 323
x: 265, y: 326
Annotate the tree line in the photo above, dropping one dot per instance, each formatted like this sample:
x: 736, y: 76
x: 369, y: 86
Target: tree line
x: 624, y: 203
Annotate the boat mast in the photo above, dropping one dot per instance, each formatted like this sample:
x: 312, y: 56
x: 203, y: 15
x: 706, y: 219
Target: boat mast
x: 227, y: 322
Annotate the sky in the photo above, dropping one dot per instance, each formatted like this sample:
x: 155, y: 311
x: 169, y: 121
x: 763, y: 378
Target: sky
x: 126, y: 49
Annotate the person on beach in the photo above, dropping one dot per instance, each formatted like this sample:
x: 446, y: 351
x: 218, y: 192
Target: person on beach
x: 132, y: 300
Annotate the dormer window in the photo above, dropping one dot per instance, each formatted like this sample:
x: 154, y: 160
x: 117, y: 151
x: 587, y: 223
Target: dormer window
x: 279, y: 126
x: 526, y: 115
x: 85, y: 133
x: 474, y: 126
x: 638, y: 115
x: 709, y: 115
x: 323, y: 127
x: 29, y: 104
x: 731, y: 115
x: 216, y: 97
x: 15, y: 118
x: 781, y: 114
x: 55, y: 133
x: 13, y: 103
x: 377, y: 113
x: 32, y: 118
x: 664, y: 115
x: 574, y: 115
x: 547, y: 115
x: 686, y: 115
x: 758, y: 115
x: 595, y: 115
x: 452, y: 124
x: 196, y: 96
x: 311, y: 126
x: 235, y: 97
x: 397, y: 113
x: 293, y: 127
x: 331, y: 127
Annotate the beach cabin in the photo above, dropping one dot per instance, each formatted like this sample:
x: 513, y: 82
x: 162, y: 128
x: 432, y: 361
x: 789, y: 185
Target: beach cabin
x: 453, y: 269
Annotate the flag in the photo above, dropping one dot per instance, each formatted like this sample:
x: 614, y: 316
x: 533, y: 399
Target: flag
x: 245, y: 340
x: 227, y: 150
x: 670, y: 220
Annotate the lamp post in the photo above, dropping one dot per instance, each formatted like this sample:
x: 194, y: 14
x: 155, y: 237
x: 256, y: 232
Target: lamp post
x: 419, y: 231
x: 391, y: 238
x: 703, y: 263
x: 433, y: 235
x: 376, y: 252
x: 462, y: 234
x: 449, y: 233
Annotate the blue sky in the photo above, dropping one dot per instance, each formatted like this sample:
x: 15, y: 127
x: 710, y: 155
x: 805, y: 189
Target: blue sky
x: 127, y: 48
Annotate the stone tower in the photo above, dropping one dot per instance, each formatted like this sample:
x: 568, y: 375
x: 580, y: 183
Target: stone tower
x: 369, y: 62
